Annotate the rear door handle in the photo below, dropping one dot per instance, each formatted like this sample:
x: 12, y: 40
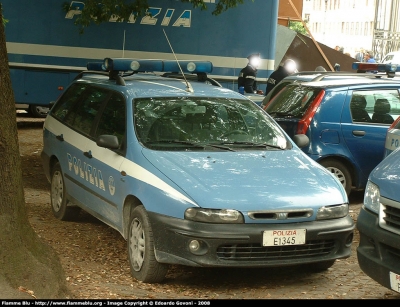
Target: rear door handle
x: 358, y: 132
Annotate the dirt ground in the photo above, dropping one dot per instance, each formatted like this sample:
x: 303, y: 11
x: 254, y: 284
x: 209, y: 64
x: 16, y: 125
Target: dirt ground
x: 94, y: 256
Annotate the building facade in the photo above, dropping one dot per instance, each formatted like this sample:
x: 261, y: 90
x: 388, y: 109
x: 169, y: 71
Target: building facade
x: 353, y: 24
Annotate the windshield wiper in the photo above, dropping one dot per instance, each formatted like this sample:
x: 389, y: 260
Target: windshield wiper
x: 177, y: 142
x: 219, y: 146
x: 251, y: 144
x: 193, y: 144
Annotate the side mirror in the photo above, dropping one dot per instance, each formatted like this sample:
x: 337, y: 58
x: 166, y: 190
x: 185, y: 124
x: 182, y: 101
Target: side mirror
x: 108, y: 141
x: 301, y: 140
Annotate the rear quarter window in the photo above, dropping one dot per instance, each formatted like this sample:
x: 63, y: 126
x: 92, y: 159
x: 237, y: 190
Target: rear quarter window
x: 66, y: 101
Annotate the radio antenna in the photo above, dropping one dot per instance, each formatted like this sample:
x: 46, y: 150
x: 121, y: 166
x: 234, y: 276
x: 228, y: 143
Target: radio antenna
x: 188, y: 87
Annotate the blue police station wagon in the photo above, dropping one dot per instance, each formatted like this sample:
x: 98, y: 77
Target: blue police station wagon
x: 189, y: 173
x: 378, y: 253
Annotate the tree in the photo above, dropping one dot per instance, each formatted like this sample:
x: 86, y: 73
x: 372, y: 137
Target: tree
x: 298, y: 27
x: 27, y: 261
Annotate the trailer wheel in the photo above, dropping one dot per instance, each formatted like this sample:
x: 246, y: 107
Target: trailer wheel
x: 38, y: 111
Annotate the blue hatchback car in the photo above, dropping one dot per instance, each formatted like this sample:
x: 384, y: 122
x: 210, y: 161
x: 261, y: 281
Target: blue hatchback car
x: 345, y: 119
x: 189, y: 173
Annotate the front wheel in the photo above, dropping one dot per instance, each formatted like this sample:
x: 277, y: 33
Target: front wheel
x: 143, y: 263
x: 340, y: 171
x: 58, y: 196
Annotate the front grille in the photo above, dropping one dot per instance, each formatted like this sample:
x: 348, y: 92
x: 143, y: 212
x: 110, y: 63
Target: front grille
x: 257, y: 252
x: 389, y: 215
x: 392, y: 217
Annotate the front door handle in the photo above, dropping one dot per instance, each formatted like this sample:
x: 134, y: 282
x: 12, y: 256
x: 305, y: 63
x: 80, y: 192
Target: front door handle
x: 358, y: 132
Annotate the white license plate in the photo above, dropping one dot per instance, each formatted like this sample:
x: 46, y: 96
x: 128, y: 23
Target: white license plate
x: 394, y: 281
x: 284, y: 237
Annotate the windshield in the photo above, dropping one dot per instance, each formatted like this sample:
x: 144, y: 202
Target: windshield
x: 205, y: 123
x: 293, y: 100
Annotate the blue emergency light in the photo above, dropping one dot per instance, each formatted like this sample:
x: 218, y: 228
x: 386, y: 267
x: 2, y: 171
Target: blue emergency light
x: 388, y: 68
x: 122, y: 64
x: 96, y: 66
x: 140, y: 65
x: 188, y: 66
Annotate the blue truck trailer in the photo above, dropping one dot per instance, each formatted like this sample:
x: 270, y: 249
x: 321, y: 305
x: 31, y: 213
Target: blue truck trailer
x: 46, y: 50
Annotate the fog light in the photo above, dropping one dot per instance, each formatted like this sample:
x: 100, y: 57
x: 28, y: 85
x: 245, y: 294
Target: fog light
x: 194, y: 246
x: 198, y: 247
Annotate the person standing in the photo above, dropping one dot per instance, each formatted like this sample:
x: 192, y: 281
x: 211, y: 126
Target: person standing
x: 369, y: 58
x: 287, y: 68
x: 360, y: 55
x: 248, y: 74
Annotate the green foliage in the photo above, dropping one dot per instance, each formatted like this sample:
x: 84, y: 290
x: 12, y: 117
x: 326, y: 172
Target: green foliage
x: 298, y: 27
x: 99, y: 11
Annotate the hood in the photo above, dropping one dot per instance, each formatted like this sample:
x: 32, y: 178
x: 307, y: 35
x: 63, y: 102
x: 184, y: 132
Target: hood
x: 387, y: 176
x: 250, y: 180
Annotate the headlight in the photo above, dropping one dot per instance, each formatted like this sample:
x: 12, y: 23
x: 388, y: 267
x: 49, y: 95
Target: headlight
x: 372, y: 197
x: 224, y: 216
x: 332, y: 212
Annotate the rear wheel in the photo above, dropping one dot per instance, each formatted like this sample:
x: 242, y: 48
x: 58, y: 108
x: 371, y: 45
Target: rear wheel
x: 143, y: 263
x: 58, y: 196
x: 340, y: 171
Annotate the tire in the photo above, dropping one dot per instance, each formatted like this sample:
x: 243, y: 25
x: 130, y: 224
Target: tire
x: 142, y: 260
x: 340, y: 171
x: 58, y: 196
x: 322, y: 266
x: 38, y: 111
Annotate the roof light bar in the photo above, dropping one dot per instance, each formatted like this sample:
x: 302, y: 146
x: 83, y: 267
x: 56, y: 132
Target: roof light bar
x: 132, y: 65
x: 188, y: 66
x: 388, y: 68
x: 96, y: 66
x: 139, y: 65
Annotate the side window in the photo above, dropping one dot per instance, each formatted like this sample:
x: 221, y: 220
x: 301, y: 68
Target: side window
x: 358, y: 105
x: 386, y: 107
x: 81, y: 117
x: 376, y: 106
x: 68, y: 100
x: 113, y: 118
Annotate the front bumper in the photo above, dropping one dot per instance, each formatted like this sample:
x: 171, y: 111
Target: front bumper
x: 379, y: 250
x: 46, y: 164
x: 240, y: 245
